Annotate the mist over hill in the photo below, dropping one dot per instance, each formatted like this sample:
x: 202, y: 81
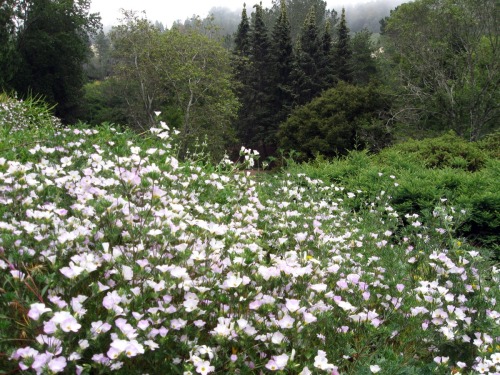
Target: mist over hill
x: 365, y: 15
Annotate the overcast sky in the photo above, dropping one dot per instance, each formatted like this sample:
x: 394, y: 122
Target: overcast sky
x: 168, y: 11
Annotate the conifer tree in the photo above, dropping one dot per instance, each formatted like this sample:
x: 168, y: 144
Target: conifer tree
x: 261, y: 81
x: 307, y: 72
x: 242, y: 37
x: 282, y: 59
x: 256, y: 93
x: 343, y: 51
x: 364, y: 66
x: 327, y: 64
x: 241, y: 64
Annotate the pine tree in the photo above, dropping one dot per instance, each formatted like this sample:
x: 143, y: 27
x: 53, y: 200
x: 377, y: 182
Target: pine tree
x: 307, y: 72
x: 364, y: 66
x: 261, y: 82
x: 242, y: 37
x: 241, y: 64
x: 327, y: 65
x: 343, y: 51
x: 282, y: 59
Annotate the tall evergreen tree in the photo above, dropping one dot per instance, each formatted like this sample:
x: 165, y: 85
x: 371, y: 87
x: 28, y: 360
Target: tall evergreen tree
x: 282, y: 58
x: 364, y: 66
x: 242, y: 37
x: 327, y: 63
x: 242, y: 69
x: 261, y: 75
x: 298, y: 10
x: 343, y: 50
x: 307, y: 72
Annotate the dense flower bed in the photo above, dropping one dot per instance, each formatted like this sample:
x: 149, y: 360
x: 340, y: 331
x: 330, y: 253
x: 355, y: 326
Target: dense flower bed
x: 116, y: 256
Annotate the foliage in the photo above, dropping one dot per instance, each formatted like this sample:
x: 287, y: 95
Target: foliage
x: 51, y: 45
x: 256, y: 119
x: 447, y: 151
x: 343, y: 51
x: 339, y: 120
x: 428, y: 171
x: 307, y: 75
x: 298, y: 11
x: 179, y: 71
x: 103, y: 101
x: 446, y: 60
x: 282, y: 56
x: 363, y: 62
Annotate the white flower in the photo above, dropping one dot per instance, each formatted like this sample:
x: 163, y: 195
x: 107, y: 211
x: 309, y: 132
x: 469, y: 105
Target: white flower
x: 375, y: 368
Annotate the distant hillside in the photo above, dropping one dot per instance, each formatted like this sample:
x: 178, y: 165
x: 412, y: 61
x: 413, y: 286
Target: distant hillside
x: 367, y: 15
x: 359, y: 16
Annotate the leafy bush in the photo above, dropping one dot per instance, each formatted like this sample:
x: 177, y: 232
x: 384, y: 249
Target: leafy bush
x: 446, y: 151
x: 341, y: 119
x: 420, y: 187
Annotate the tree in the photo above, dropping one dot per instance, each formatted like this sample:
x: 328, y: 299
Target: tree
x: 242, y: 69
x: 255, y: 127
x: 134, y: 42
x: 283, y: 59
x: 363, y: 63
x: 446, y: 60
x: 327, y: 64
x: 308, y: 81
x: 183, y: 73
x: 53, y: 43
x: 8, y: 56
x: 343, y: 50
x: 100, y: 64
x: 298, y: 11
x: 339, y: 120
x: 242, y: 43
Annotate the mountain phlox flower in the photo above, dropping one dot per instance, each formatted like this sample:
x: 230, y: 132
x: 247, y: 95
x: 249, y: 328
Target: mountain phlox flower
x: 53, y: 343
x: 72, y: 271
x: 321, y: 362
x: 26, y: 353
x: 130, y: 348
x: 126, y: 328
x: 232, y: 281
x: 277, y: 337
x: 292, y: 304
x: 57, y: 364
x: 37, y: 309
x: 111, y: 302
x: 224, y: 327
x: 278, y: 362
x: 203, y: 367
x: 99, y: 327
x: 286, y: 322
x: 178, y: 324
x: 65, y: 321
x: 375, y: 368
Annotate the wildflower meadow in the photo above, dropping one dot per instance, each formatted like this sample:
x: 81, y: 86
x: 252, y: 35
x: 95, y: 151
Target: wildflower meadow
x: 118, y: 257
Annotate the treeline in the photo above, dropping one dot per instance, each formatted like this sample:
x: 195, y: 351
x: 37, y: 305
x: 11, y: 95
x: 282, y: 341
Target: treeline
x: 292, y: 76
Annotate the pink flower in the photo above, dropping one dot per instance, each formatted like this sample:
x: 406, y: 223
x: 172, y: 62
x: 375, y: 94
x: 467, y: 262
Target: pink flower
x: 37, y: 309
x: 57, y: 364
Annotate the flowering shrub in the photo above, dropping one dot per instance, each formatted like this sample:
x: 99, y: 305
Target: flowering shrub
x: 117, y: 257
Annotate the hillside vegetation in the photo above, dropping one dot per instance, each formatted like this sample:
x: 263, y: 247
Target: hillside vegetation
x: 116, y: 256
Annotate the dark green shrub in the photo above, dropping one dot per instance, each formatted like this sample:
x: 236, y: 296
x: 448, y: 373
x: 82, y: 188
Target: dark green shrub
x: 341, y: 119
x: 446, y: 151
